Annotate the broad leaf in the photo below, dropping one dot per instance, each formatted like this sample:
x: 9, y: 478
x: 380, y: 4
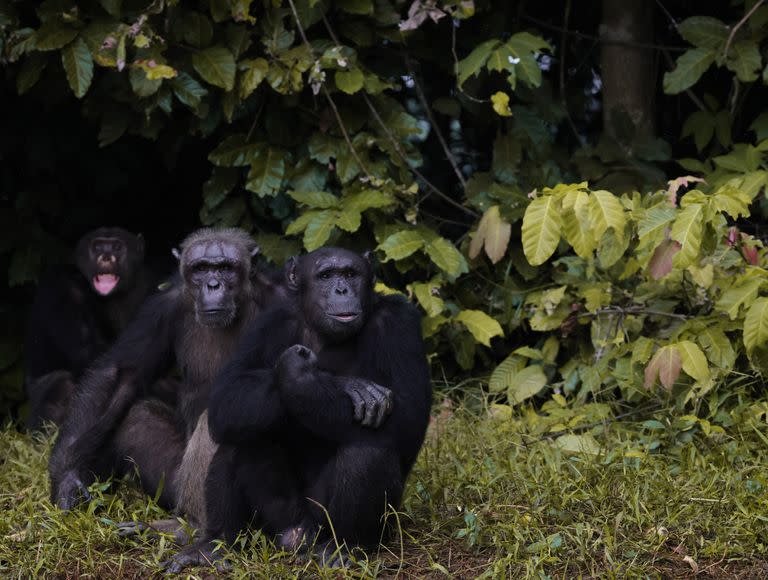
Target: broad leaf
x: 734, y: 297
x: 665, y: 365
x: 401, y: 245
x: 606, y: 211
x: 235, y: 151
x: 690, y: 66
x: 188, y: 90
x: 694, y: 362
x: 426, y: 295
x: 480, y: 325
x: 704, y: 31
x: 503, y: 375
x: 717, y: 346
x: 78, y: 65
x: 526, y: 383
x: 216, y: 65
x: 493, y: 234
x: 319, y: 229
x: 687, y: 231
x: 585, y: 444
x: 349, y: 220
x: 53, y: 35
x: 267, y: 173
x: 756, y: 325
x: 315, y: 199
x: 446, y: 256
x: 367, y: 199
x: 349, y: 82
x: 476, y: 60
x: 744, y: 59
x: 542, y: 223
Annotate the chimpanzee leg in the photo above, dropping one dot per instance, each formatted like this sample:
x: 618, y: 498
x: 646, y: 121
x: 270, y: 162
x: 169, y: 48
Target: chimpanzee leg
x: 356, y: 488
x: 148, y: 439
x: 49, y: 397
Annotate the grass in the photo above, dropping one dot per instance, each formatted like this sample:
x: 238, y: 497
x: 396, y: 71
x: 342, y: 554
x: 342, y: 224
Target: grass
x: 493, y: 495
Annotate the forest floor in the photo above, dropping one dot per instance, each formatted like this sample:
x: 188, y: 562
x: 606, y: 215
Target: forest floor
x: 495, y: 494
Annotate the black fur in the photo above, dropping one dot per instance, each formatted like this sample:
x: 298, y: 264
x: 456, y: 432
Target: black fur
x: 285, y: 416
x: 70, y: 323
x: 115, y: 421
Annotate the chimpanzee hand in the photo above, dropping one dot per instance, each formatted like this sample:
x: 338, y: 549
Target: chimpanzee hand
x: 71, y: 491
x: 371, y: 401
x: 297, y: 363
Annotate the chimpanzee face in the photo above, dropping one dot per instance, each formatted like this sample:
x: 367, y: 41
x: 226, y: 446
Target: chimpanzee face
x: 335, y: 286
x: 214, y: 274
x: 109, y: 259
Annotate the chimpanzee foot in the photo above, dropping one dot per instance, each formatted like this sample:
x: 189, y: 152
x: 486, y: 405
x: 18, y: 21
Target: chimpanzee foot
x: 172, y: 526
x: 198, y: 554
x: 71, y: 491
x: 291, y: 539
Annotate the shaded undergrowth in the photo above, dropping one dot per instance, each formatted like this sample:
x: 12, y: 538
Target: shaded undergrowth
x: 493, y: 495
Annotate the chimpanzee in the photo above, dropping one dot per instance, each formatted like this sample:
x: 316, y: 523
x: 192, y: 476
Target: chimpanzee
x: 77, y: 313
x: 194, y: 325
x: 292, y: 444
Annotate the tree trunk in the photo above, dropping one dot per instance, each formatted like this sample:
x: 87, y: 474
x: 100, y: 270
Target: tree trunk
x: 628, y: 70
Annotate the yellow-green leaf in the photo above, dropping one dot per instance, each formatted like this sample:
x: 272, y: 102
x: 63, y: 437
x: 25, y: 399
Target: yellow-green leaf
x: 216, y: 65
x: 606, y: 211
x: 734, y: 297
x: 348, y: 220
x: 503, y: 376
x: 493, y: 234
x: 526, y: 384
x: 756, y: 325
x: 480, y: 325
x: 687, y: 231
x: 541, y: 229
x: 427, y: 296
x: 446, y: 256
x: 349, y: 81
x: 585, y: 444
x: 665, y: 365
x: 694, y: 362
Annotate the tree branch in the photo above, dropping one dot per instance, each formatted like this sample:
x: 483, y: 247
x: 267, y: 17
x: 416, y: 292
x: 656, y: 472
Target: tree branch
x: 739, y: 24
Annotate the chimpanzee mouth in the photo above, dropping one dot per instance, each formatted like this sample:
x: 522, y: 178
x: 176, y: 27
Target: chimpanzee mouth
x: 345, y: 316
x: 105, y: 283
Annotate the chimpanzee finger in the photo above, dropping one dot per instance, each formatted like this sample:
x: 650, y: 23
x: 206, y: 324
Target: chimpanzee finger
x: 371, y: 408
x: 379, y: 394
x: 357, y: 403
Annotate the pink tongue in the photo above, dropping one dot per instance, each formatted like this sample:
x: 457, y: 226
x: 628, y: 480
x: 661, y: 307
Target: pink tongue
x: 105, y: 283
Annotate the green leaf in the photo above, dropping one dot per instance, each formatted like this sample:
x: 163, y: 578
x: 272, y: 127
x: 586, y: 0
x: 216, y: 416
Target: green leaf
x: 216, y: 66
x: 655, y: 221
x: 446, y: 256
x: 480, y: 325
x: 267, y: 173
x: 31, y: 69
x: 577, y: 227
x: 694, y: 362
x: 687, y: 231
x: 319, y: 230
x: 300, y: 223
x: 756, y: 325
x: 503, y: 376
x: 476, y: 60
x: 527, y: 383
x: 542, y: 223
x: 53, y: 35
x: 235, y: 151
x: 188, y: 90
x: 112, y: 7
x: 744, y: 59
x: 704, y: 31
x: 315, y: 199
x: 141, y: 85
x: 522, y: 42
x: 690, y: 66
x: 78, y: 65
x: 198, y: 30
x: 362, y: 7
x: 349, y: 81
x: 401, y: 245
x: 734, y: 297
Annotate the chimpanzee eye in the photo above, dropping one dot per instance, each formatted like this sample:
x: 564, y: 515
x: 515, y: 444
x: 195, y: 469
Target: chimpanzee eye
x: 325, y: 276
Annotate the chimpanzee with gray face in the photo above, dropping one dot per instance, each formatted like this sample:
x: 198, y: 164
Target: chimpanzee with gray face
x: 294, y: 451
x: 196, y: 325
x: 77, y: 313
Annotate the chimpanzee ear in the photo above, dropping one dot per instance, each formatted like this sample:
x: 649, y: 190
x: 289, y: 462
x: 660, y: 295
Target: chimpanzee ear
x: 291, y: 275
x: 371, y: 259
x: 176, y: 253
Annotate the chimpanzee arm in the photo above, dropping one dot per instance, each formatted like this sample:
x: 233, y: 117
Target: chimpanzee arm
x: 142, y: 353
x: 244, y: 402
x: 391, y: 354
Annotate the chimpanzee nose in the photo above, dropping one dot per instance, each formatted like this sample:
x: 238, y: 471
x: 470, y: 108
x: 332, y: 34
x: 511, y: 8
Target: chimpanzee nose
x: 213, y: 284
x: 341, y: 290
